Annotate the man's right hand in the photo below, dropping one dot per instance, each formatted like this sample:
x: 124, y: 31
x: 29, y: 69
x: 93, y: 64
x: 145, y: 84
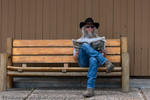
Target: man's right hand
x: 76, y: 57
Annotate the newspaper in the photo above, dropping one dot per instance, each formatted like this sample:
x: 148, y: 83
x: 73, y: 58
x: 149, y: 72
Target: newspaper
x: 77, y: 43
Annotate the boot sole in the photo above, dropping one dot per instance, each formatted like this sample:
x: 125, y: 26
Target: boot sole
x: 88, y: 96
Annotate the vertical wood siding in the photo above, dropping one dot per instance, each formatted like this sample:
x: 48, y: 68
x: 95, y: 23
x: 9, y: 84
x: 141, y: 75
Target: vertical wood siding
x: 59, y: 19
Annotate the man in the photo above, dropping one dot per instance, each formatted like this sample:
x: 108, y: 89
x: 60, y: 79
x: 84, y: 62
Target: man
x: 87, y: 56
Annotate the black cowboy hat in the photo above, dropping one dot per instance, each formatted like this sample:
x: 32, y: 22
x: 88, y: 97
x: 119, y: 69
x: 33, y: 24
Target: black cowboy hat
x: 89, y: 21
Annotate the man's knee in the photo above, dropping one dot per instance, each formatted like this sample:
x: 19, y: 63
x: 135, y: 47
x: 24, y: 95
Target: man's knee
x: 93, y: 59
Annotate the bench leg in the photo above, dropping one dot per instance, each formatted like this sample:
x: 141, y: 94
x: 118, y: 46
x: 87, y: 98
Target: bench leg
x: 9, y: 81
x: 3, y: 71
x: 125, y: 72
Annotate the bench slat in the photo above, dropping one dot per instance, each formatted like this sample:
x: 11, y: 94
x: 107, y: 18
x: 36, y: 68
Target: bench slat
x: 55, y: 59
x: 63, y: 42
x: 36, y: 51
x: 57, y: 69
x: 14, y: 73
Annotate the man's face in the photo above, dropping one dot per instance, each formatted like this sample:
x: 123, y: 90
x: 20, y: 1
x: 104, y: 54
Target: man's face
x: 89, y: 28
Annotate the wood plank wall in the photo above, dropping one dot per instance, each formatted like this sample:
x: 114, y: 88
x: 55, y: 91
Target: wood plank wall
x: 59, y: 19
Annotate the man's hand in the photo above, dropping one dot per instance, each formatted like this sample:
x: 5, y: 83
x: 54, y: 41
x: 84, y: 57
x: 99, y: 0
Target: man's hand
x: 76, y: 56
x: 104, y: 52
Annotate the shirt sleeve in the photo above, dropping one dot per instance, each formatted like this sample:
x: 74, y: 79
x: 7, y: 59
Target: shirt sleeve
x: 74, y: 52
x: 105, y: 44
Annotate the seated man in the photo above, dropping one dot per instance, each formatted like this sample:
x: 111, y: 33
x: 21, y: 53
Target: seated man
x: 87, y: 56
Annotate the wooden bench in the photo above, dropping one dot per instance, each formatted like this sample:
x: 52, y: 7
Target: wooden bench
x: 26, y: 52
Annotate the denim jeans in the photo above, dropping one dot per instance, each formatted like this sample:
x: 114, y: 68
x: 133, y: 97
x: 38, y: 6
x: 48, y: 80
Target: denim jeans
x: 89, y: 57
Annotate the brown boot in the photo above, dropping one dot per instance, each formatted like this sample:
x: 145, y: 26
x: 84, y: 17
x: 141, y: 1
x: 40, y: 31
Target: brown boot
x: 109, y: 66
x: 88, y: 93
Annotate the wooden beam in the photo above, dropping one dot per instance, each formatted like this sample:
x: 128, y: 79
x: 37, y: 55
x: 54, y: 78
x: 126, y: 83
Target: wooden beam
x: 9, y: 62
x: 56, y: 59
x: 3, y: 71
x: 13, y: 73
x: 60, y: 42
x: 125, y: 64
x: 62, y: 50
x: 58, y: 69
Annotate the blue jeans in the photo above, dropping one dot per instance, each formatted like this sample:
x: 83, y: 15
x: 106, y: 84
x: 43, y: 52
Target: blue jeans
x: 89, y: 57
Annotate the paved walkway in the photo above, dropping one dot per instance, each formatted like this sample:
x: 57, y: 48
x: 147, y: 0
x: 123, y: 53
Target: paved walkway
x: 74, y: 94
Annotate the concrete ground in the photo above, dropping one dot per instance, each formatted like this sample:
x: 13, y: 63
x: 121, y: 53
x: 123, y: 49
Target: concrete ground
x: 74, y: 94
x: 106, y: 89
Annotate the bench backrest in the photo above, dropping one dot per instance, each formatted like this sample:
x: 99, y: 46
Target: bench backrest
x: 54, y: 51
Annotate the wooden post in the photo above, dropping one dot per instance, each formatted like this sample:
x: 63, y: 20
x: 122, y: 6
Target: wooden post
x: 3, y: 71
x: 125, y: 64
x: 9, y: 63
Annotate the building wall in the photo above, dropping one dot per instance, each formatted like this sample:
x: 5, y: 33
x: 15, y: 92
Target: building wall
x: 59, y: 19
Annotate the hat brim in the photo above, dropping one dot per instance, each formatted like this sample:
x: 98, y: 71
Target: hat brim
x: 84, y: 23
